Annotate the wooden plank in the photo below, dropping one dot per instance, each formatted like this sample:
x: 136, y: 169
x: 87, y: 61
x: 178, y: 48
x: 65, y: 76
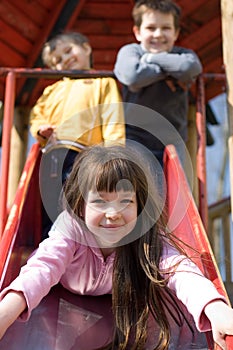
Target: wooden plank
x: 32, y: 59
x: 73, y: 14
x: 33, y: 11
x: 106, y: 26
x: 2, y: 88
x: 44, y: 32
x: 47, y: 4
x: 208, y: 10
x: 200, y: 16
x: 61, y: 18
x: 214, y: 87
x: 104, y: 66
x: 214, y: 66
x: 11, y: 37
x: 203, y: 35
x: 189, y: 7
x: 212, y: 50
x: 10, y: 58
x: 109, y: 41
x: 199, y: 10
x: 106, y: 10
x: 18, y: 20
x: 104, y: 56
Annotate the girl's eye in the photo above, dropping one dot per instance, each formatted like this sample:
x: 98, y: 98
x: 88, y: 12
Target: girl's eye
x: 127, y: 201
x: 98, y: 201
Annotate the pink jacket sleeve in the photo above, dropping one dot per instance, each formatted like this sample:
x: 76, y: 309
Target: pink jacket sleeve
x: 43, y: 270
x: 191, y: 287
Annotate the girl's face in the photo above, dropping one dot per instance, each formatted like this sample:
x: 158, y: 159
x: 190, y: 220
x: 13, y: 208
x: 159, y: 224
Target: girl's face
x: 110, y: 216
x: 68, y: 55
x: 157, y: 32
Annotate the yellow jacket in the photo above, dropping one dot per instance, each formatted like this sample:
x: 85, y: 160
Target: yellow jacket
x: 86, y: 111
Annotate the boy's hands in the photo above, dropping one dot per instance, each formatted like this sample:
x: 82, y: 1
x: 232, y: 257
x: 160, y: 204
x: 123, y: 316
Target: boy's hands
x: 173, y: 84
x: 221, y: 319
x: 45, y: 132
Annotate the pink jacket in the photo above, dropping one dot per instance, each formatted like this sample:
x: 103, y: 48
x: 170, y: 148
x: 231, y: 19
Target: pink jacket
x: 70, y: 255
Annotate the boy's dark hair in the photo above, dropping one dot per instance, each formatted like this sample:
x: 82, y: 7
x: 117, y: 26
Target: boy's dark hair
x: 50, y: 45
x: 164, y: 6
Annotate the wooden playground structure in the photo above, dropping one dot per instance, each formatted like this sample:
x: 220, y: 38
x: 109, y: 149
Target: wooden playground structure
x: 21, y: 231
x: 20, y: 202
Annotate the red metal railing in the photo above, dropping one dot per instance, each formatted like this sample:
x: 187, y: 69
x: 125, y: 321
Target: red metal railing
x: 12, y: 74
x: 201, y: 151
x: 6, y: 139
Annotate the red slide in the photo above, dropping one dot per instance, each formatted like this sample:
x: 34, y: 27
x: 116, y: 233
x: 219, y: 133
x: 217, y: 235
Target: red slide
x: 64, y: 321
x: 185, y: 221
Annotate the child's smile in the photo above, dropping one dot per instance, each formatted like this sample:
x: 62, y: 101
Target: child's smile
x: 157, y: 32
x: 110, y: 216
x: 71, y: 56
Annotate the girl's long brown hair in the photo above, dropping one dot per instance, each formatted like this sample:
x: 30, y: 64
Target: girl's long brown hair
x: 139, y: 288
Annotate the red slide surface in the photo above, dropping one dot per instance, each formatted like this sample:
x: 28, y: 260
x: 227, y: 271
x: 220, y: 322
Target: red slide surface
x: 64, y: 321
x: 185, y: 221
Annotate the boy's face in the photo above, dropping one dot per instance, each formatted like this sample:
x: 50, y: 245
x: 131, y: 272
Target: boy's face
x: 157, y: 32
x: 68, y: 55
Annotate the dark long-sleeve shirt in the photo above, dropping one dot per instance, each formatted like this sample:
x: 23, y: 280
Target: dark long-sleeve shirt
x: 145, y: 77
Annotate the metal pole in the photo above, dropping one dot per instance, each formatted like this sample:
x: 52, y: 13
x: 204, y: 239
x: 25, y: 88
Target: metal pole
x: 201, y: 151
x: 6, y: 139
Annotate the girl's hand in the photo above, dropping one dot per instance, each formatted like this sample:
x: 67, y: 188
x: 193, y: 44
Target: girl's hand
x: 221, y: 319
x: 11, y: 306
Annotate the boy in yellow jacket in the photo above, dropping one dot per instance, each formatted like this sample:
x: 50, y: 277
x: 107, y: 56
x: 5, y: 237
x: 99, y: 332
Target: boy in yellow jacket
x: 72, y: 114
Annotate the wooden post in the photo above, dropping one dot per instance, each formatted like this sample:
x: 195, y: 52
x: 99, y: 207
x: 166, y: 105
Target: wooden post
x: 227, y: 32
x: 19, y: 139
